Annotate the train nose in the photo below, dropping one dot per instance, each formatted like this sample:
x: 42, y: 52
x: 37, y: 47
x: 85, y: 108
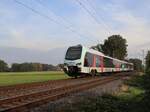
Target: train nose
x: 72, y: 69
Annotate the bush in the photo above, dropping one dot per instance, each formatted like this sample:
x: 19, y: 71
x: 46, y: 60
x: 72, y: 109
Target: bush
x: 137, y: 81
x: 148, y: 71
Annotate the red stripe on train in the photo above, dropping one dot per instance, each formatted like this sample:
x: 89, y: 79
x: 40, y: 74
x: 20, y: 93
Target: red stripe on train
x: 94, y: 61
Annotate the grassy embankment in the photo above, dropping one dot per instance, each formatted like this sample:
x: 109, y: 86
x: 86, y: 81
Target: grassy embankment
x: 134, y: 97
x: 11, y: 78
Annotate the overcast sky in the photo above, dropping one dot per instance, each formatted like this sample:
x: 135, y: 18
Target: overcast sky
x: 66, y: 23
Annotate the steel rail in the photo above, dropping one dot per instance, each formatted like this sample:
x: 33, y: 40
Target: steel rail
x: 41, y: 97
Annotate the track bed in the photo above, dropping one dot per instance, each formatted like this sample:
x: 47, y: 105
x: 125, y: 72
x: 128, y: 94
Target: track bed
x: 30, y: 95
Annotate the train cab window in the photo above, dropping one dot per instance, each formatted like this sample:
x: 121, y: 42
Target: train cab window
x: 74, y: 53
x: 97, y: 61
x: 88, y: 60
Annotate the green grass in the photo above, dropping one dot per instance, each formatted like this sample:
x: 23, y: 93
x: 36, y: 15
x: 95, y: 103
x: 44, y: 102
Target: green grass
x: 13, y: 78
x: 133, y: 92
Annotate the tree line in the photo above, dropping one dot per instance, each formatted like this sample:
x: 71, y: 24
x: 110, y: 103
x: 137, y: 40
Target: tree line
x: 115, y: 46
x: 27, y: 67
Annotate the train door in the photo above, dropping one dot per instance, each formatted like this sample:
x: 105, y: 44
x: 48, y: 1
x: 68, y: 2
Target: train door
x: 88, y: 62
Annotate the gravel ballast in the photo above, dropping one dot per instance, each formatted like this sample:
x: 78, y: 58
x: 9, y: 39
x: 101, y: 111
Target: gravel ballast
x: 55, y: 106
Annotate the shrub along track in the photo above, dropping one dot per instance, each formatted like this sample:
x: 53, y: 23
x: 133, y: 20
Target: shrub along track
x: 32, y: 99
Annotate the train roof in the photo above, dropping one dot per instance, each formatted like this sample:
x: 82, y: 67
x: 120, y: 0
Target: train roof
x: 94, y: 51
x: 101, y: 54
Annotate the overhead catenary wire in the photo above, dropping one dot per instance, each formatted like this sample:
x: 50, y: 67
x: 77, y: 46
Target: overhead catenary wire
x: 91, y: 14
x: 62, y: 18
x: 49, y: 18
x: 101, y: 17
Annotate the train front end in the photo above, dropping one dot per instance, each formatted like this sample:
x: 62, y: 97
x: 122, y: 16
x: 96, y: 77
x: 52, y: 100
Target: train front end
x: 73, y: 61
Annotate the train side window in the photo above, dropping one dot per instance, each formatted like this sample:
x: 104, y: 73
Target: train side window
x: 122, y: 66
x: 97, y: 61
x: 112, y: 63
x: 88, y: 60
x: 105, y: 62
x: 108, y: 62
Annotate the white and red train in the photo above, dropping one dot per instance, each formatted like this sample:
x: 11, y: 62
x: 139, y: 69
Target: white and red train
x: 81, y: 60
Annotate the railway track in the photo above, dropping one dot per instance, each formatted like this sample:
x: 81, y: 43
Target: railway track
x: 21, y: 102
x: 36, y: 87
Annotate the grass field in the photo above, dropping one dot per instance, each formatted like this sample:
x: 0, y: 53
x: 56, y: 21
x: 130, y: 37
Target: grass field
x: 28, y: 77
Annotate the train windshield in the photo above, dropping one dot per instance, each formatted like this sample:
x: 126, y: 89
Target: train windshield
x: 74, y: 53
